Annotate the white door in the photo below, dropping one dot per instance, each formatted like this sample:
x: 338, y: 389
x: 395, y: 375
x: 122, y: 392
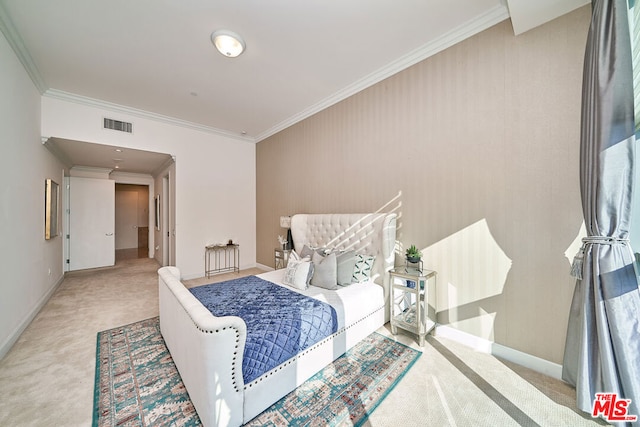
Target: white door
x: 126, y: 219
x: 91, y: 223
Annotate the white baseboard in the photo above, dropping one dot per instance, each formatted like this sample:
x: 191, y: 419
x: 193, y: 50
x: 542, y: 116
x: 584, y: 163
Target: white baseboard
x: 479, y: 344
x: 242, y: 267
x: 191, y: 276
x: 264, y: 267
x: 535, y: 363
x: 13, y: 337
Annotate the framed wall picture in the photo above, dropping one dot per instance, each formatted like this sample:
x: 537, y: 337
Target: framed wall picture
x: 51, y: 195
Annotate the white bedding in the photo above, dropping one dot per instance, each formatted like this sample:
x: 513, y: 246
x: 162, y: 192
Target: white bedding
x: 360, y: 309
x: 361, y: 298
x: 208, y: 350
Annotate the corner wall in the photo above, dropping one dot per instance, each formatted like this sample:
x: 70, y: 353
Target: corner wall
x: 31, y: 266
x: 477, y: 150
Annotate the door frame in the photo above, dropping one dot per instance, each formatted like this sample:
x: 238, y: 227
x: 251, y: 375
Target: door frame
x: 127, y: 233
x: 140, y: 179
x: 66, y: 267
x: 164, y: 227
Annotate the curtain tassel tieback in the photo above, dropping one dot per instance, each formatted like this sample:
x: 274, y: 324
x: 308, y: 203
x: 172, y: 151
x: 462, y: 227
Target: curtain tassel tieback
x: 578, y: 260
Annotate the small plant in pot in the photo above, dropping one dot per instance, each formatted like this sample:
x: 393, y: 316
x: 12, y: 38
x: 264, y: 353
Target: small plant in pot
x: 413, y: 254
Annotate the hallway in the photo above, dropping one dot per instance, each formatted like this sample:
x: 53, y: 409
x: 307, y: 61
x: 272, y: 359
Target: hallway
x: 132, y: 253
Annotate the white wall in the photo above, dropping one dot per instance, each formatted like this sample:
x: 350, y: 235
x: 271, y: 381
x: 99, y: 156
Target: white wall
x: 31, y: 266
x: 215, y: 180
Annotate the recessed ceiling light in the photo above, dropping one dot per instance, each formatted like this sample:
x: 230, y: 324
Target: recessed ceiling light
x: 228, y: 43
x: 118, y: 150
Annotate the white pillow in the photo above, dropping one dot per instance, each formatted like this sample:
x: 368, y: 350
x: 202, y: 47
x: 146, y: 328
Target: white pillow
x: 299, y: 271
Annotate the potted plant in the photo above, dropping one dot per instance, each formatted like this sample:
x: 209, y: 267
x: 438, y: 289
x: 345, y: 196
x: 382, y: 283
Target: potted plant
x: 413, y: 254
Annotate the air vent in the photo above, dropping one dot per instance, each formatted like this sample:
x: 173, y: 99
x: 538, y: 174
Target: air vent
x: 118, y: 125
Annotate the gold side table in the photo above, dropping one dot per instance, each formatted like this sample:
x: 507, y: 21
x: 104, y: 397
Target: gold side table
x: 225, y: 258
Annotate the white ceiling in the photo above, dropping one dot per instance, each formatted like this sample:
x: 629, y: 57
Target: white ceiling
x: 527, y: 14
x: 155, y: 57
x: 100, y: 156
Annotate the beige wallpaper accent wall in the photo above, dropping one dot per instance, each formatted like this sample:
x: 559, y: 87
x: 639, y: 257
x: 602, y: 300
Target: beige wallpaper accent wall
x: 477, y: 150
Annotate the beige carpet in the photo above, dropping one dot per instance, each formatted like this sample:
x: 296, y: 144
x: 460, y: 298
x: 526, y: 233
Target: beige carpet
x: 47, y: 378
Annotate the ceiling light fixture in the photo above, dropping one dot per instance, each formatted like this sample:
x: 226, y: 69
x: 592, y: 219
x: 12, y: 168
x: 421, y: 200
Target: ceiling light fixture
x: 228, y: 43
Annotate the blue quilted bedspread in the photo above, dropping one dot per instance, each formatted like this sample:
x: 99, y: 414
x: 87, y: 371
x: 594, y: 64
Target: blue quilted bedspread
x: 280, y: 322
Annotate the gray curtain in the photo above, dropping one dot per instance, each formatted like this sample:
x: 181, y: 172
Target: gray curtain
x: 602, y: 352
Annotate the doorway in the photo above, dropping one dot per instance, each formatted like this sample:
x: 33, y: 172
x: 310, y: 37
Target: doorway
x: 136, y: 167
x: 131, y: 221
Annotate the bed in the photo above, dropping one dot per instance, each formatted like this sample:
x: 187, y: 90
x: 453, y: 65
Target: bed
x: 208, y: 350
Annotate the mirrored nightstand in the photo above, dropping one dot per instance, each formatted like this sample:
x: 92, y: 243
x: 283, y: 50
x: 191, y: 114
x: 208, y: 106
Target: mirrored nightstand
x: 281, y: 257
x: 413, y: 300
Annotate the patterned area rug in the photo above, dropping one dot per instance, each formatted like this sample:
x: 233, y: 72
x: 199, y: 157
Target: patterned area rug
x: 137, y: 383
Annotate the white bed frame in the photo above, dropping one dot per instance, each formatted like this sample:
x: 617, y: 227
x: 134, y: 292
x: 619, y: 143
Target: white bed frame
x: 208, y: 350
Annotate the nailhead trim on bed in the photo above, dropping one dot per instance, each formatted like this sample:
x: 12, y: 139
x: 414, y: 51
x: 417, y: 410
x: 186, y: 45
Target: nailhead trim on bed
x: 321, y: 343
x: 235, y: 353
x: 288, y: 362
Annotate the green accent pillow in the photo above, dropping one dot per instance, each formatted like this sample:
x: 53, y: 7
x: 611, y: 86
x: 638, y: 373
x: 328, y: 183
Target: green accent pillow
x: 362, y: 270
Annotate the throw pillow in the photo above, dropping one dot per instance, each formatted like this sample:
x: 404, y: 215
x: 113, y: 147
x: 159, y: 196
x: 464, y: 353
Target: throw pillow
x: 306, y: 252
x: 362, y: 270
x: 346, y: 265
x: 298, y: 272
x: 324, y: 271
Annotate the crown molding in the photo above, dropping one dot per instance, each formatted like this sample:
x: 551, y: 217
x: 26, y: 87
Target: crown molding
x: 17, y: 44
x: 123, y: 109
x: 90, y: 171
x: 131, y: 178
x: 470, y: 28
x: 48, y: 142
x: 482, y: 22
x: 164, y: 166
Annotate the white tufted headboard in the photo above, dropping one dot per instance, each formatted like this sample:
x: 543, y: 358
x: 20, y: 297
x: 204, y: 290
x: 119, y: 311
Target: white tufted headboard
x: 371, y: 234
